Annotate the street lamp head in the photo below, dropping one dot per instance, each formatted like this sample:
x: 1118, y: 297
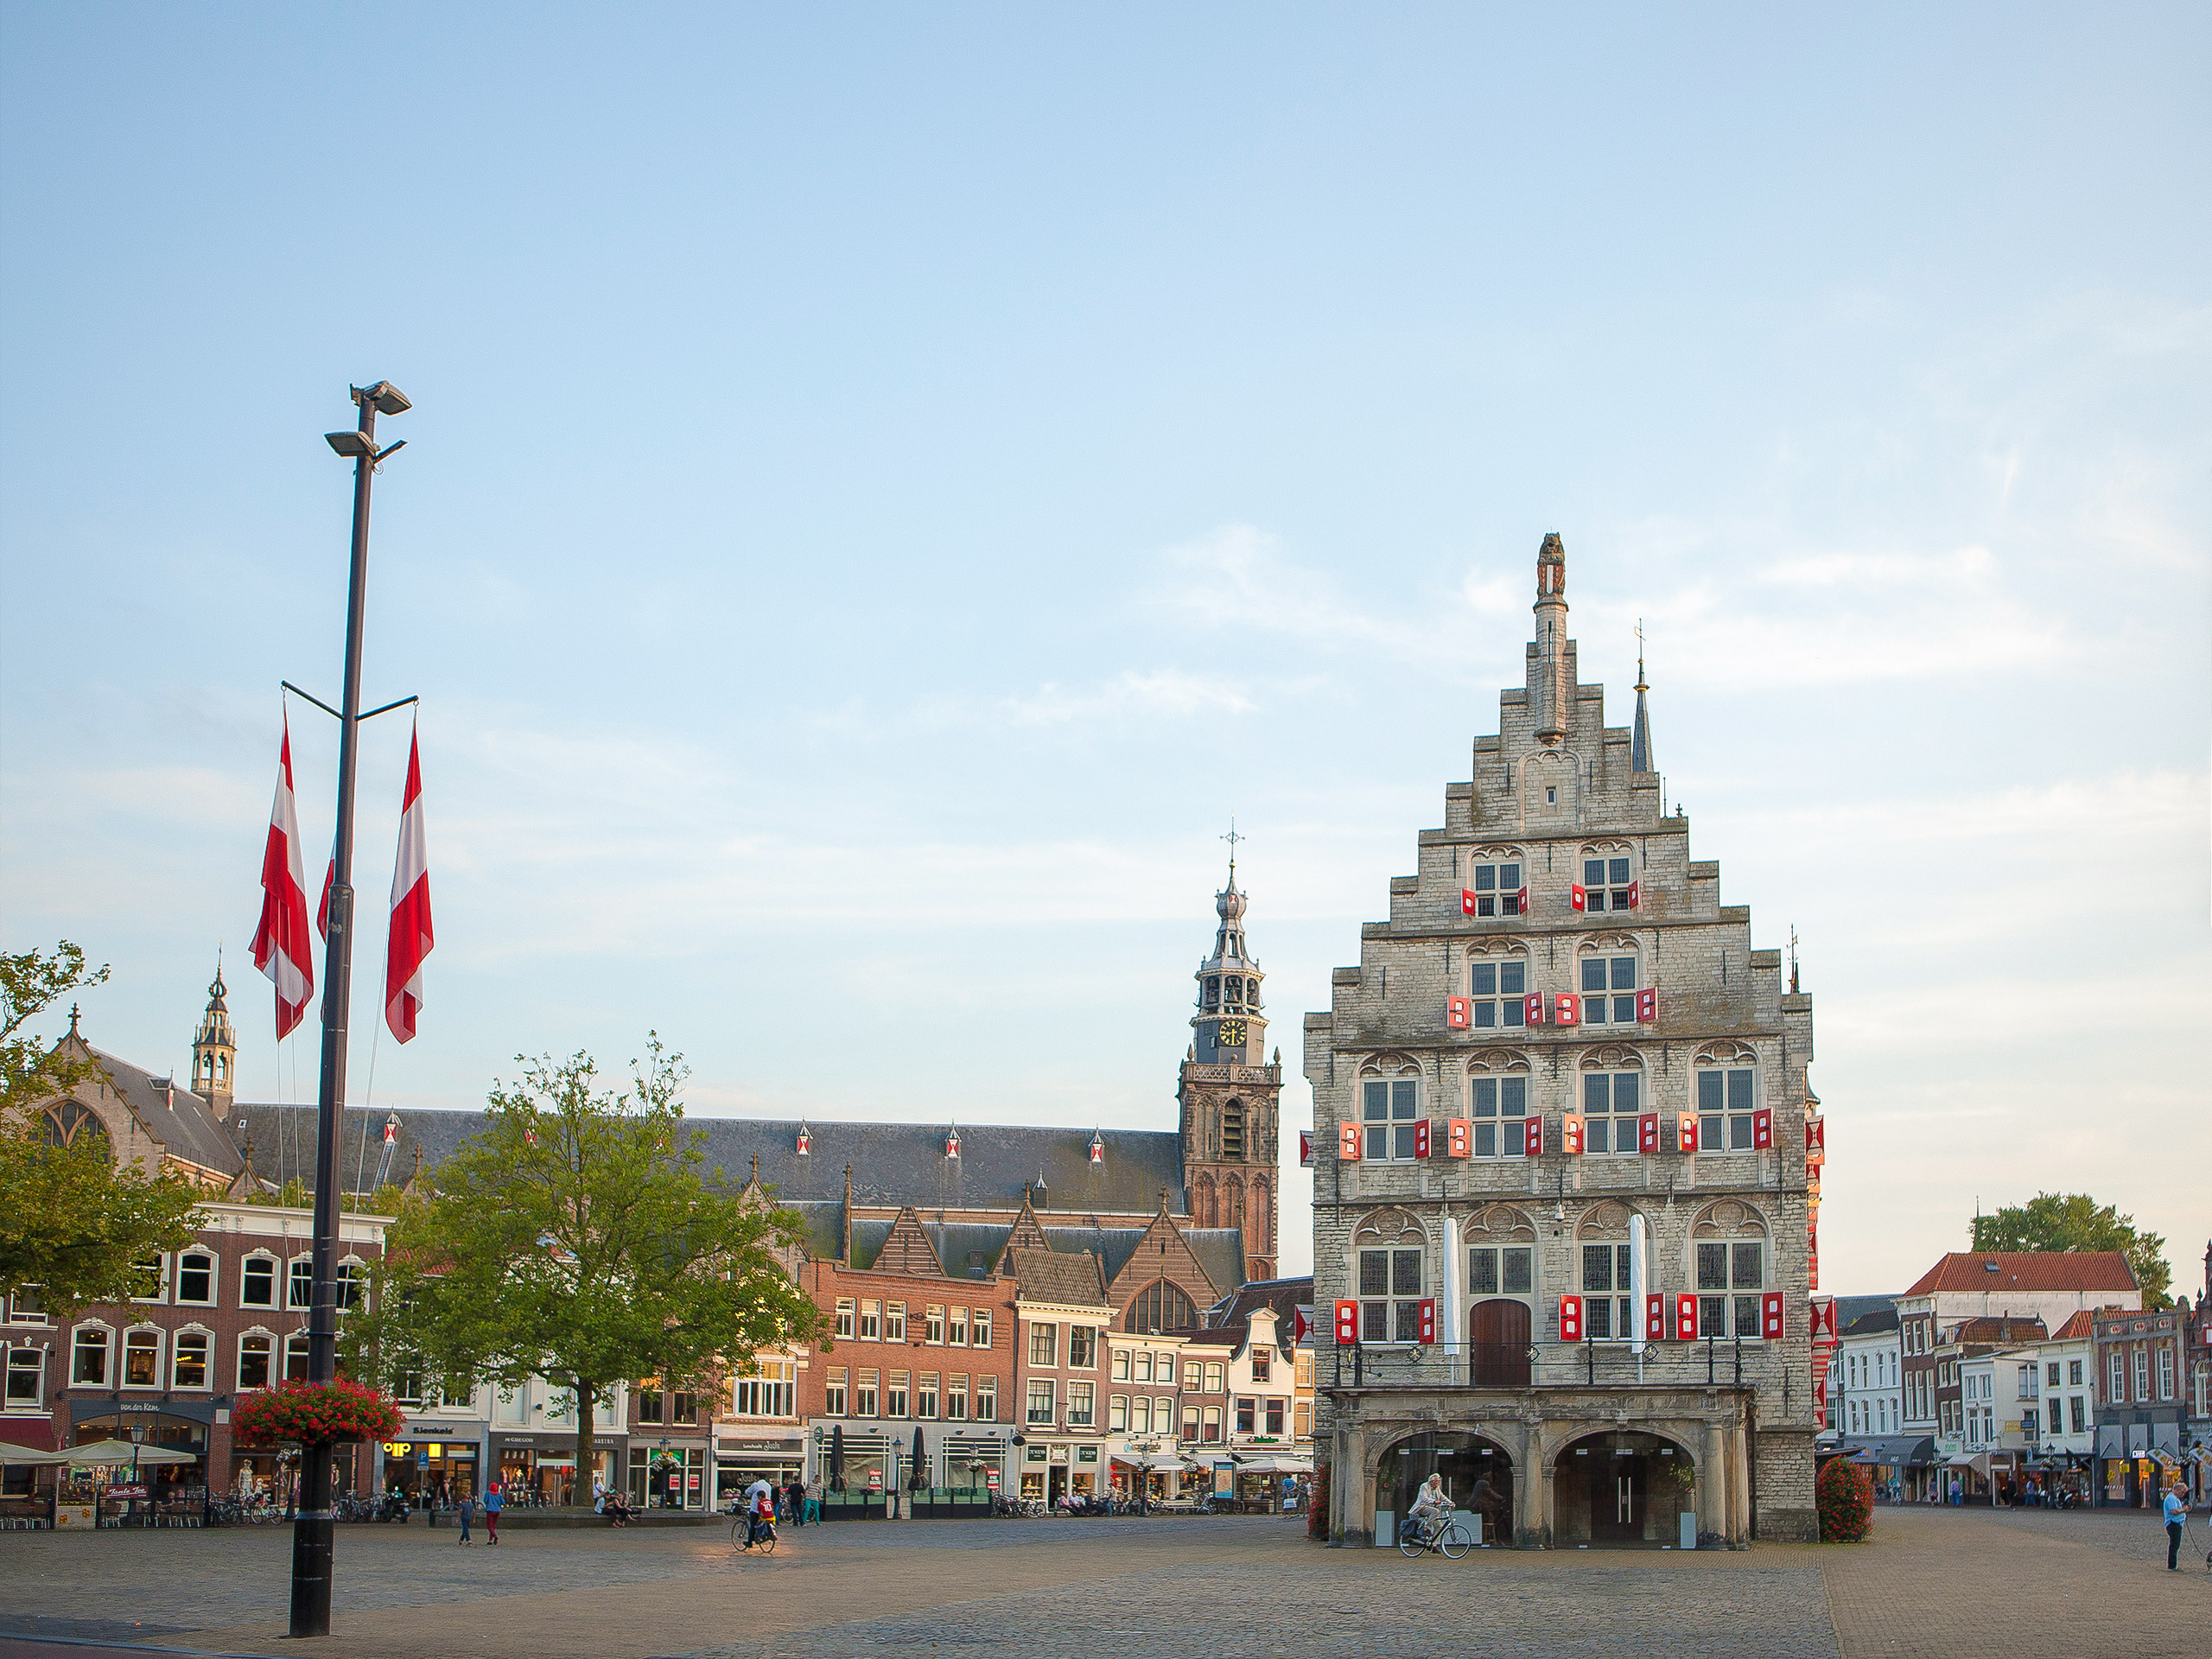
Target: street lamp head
x: 388, y: 398
x: 352, y: 445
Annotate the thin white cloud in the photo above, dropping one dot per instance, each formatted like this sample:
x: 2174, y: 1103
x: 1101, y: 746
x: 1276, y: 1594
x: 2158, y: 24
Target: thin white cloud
x: 1166, y: 691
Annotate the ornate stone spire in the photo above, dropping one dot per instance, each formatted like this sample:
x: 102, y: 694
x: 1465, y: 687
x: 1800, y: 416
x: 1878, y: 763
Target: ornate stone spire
x: 1551, y: 685
x: 215, y: 1050
x: 1228, y: 1022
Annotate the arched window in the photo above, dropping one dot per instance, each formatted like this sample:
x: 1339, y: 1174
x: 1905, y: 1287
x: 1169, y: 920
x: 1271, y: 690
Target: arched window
x: 1158, y: 1306
x: 1390, y: 1102
x: 1608, y: 1309
x: 1262, y: 1235
x: 1232, y: 1129
x: 1609, y: 980
x: 1232, y: 1202
x: 1389, y: 1267
x: 1498, y: 1102
x: 1609, y: 876
x: 1727, y: 1095
x: 1213, y: 992
x: 1205, y: 1213
x: 1613, y: 1098
x: 1498, y: 985
x: 70, y: 1122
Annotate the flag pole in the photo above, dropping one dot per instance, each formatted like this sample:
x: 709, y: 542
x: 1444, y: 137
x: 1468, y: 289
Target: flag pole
x: 313, y: 1528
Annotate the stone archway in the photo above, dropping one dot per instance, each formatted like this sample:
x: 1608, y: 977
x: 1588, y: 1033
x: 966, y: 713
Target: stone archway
x: 1623, y: 1489
x: 1477, y: 1477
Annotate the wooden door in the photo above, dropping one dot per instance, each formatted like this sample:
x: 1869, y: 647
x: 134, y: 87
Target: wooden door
x: 1499, y: 1333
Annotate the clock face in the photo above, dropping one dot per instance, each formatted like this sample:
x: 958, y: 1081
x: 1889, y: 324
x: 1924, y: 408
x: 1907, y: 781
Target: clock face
x: 1231, y: 1034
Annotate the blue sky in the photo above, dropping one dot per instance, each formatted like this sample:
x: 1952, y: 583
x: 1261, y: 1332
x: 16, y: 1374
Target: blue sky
x: 886, y: 486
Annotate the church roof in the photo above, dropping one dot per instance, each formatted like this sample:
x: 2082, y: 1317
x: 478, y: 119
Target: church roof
x: 179, y: 1118
x: 1049, y: 1276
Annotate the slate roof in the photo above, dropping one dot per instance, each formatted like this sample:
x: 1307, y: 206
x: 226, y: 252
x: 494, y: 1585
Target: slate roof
x: 283, y: 1138
x: 178, y: 1117
x: 2087, y: 1270
x: 1871, y: 1323
x: 1286, y: 1296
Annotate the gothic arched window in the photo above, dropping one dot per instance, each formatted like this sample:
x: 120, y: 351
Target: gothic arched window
x: 71, y: 1122
x: 1158, y: 1306
x: 1206, y: 1214
x: 1232, y: 1129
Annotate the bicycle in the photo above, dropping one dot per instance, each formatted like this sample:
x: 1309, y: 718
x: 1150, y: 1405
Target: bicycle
x: 1452, y: 1538
x: 741, y: 1539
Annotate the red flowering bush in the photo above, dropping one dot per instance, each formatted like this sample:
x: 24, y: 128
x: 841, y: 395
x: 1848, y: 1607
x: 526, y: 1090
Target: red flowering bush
x: 315, y: 1414
x: 1845, y: 1497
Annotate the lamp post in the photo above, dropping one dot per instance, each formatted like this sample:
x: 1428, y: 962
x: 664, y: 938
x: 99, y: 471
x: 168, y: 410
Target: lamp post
x: 313, y: 1526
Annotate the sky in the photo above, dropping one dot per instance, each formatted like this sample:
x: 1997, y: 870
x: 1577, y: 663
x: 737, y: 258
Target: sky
x: 886, y: 484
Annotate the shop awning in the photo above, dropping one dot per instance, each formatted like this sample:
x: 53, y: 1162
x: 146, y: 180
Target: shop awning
x: 1979, y: 1462
x: 103, y: 1452
x: 1275, y: 1462
x: 1894, y: 1452
x: 1148, y: 1460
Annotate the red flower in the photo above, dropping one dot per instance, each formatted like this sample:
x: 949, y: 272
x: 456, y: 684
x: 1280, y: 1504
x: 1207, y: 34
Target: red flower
x: 316, y: 1414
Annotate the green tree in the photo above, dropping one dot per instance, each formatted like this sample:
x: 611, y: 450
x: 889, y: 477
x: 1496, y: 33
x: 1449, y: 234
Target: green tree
x: 73, y: 1223
x: 576, y: 1236
x: 2075, y: 1221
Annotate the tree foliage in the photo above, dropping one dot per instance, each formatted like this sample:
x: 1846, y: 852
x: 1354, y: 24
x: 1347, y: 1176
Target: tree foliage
x: 577, y: 1235
x: 2075, y: 1221
x: 72, y: 1223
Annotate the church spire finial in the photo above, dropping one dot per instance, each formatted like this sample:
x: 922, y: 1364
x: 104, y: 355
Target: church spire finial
x: 1552, y: 687
x: 1639, y: 742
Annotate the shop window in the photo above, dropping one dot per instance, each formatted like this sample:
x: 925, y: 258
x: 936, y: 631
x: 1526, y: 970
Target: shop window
x: 1079, y: 1397
x: 258, y: 1282
x: 955, y: 1397
x: 188, y: 1363
x: 195, y: 1277
x: 987, y: 1399
x: 1041, y: 1401
x: 88, y: 1363
x: 253, y: 1362
x: 26, y: 1377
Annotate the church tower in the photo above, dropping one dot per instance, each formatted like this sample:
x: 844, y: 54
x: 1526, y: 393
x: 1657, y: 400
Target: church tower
x: 1229, y: 1096
x: 215, y: 1052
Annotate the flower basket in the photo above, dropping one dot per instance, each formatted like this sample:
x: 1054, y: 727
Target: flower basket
x: 1844, y: 1495
x: 315, y: 1414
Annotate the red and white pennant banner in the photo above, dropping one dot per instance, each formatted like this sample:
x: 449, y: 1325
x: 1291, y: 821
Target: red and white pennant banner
x: 411, y: 939
x: 283, y: 948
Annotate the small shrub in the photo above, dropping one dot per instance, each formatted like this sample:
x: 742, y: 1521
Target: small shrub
x: 1845, y: 1497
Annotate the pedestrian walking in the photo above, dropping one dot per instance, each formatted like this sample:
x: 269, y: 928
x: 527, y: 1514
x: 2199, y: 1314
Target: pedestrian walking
x: 795, y: 1494
x: 2175, y: 1510
x: 494, y: 1503
x: 814, y: 1498
x: 1955, y: 1492
x: 467, y: 1514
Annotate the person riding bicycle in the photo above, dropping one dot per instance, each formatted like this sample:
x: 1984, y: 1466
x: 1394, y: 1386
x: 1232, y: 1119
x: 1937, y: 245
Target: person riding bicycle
x: 761, y: 1507
x: 1431, y: 1505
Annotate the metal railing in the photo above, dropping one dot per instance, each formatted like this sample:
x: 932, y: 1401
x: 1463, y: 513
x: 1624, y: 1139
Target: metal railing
x: 1591, y: 1363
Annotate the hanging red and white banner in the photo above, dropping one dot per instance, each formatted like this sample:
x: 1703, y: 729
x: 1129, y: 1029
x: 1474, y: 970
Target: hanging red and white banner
x: 282, y: 949
x: 322, y: 904
x: 412, y: 941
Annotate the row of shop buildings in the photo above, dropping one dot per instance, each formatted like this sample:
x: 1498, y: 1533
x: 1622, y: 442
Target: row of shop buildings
x: 2012, y: 1377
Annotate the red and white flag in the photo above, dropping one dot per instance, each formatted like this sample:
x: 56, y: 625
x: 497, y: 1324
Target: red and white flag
x: 283, y: 948
x: 410, y: 909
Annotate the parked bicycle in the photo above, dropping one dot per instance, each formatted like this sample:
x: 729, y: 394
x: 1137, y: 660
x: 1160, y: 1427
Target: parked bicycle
x: 1448, y: 1533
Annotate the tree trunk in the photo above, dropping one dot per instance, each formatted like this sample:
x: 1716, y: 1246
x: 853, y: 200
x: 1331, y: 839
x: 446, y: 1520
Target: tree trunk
x: 587, y: 1410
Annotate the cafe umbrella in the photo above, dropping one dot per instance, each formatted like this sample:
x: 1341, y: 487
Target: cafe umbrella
x: 917, y: 1476
x: 837, y: 1458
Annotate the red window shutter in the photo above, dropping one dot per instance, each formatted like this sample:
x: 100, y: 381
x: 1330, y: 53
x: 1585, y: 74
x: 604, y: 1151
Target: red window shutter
x: 1421, y: 1138
x: 1456, y: 1014
x: 1581, y: 897
x: 1467, y: 901
x: 1570, y: 1318
x: 1347, y: 1323
x: 1654, y: 1317
x: 1770, y: 1325
x: 1521, y: 902
x: 1647, y: 1132
x: 1459, y: 1138
x: 1634, y: 895
x: 1685, y: 1132
x: 1570, y: 1135
x: 1647, y: 1004
x: 1532, y: 1138
x: 1348, y: 1143
x: 1566, y: 1009
x: 1813, y: 1269
x: 1428, y: 1318
x: 1816, y: 1134
x: 1685, y: 1317
x: 1532, y: 1008
x: 1762, y: 1129
x: 1306, y: 1148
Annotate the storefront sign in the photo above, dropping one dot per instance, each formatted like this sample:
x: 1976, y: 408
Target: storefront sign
x: 991, y: 1479
x: 875, y: 1480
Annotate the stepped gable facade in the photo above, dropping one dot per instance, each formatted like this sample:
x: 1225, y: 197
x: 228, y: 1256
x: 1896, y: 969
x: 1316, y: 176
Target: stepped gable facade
x: 1564, y: 1179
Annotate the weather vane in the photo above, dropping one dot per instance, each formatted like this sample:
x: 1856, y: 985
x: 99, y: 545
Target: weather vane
x: 1232, y: 838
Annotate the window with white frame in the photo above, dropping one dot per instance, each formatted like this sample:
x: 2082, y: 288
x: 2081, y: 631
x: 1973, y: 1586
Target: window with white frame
x: 302, y: 1281
x: 768, y: 1388
x: 987, y: 1399
x: 956, y: 1397
x: 871, y: 1321
x: 894, y: 1321
x: 1079, y: 1397
x: 151, y: 1274
x: 844, y: 1327
x: 1612, y: 1102
x: 1388, y: 1109
x: 979, y: 1329
x: 867, y: 1386
x: 1040, y: 1400
x: 1498, y: 1106
x: 925, y: 1394
x: 1044, y: 1344
x: 1609, y: 990
x: 2118, y: 1387
x: 26, y: 1377
x: 933, y: 1325
x: 1082, y: 1349
x: 833, y: 1391
x: 1604, y: 879
x: 1502, y: 1270
x: 26, y: 1308
x: 295, y: 1357
x: 2077, y: 1413
x: 1606, y: 1313
x: 188, y: 1360
x: 257, y: 1282
x: 1498, y: 990
x: 254, y: 1350
x: 1725, y: 1102
x: 2165, y: 1372
x: 89, y: 1356
x: 1495, y: 884
x: 195, y: 1278
x: 894, y: 1394
x: 1216, y: 1378
x: 2142, y: 1373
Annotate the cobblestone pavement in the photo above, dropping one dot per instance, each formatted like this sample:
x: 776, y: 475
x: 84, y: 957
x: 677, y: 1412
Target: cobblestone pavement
x: 1935, y: 1583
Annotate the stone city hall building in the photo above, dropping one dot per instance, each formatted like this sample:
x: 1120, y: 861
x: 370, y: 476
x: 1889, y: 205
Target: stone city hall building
x: 1562, y: 1135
